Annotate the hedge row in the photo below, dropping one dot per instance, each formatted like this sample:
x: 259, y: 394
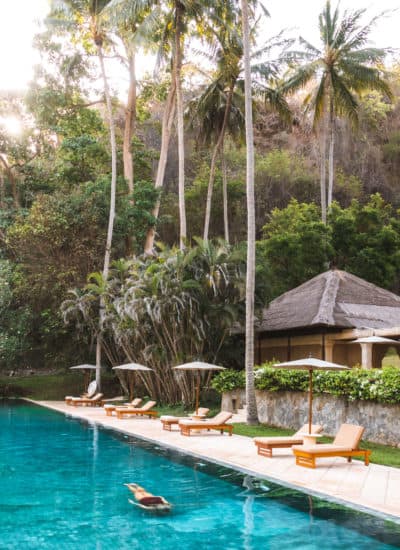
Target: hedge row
x: 380, y: 385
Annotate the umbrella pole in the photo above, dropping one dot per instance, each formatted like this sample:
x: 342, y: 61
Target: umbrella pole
x: 131, y: 387
x: 86, y: 379
x: 310, y: 400
x: 197, y: 393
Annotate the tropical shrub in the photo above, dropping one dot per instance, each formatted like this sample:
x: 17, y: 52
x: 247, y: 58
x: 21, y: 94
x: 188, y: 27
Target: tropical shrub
x: 380, y: 385
x: 295, y: 246
x: 229, y: 380
x: 365, y: 239
x: 165, y: 310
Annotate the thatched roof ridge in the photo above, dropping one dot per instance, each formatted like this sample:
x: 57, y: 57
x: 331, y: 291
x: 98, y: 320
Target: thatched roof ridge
x: 334, y: 299
x: 325, y: 312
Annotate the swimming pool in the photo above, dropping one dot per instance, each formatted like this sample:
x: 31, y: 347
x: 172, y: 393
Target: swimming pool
x: 62, y: 487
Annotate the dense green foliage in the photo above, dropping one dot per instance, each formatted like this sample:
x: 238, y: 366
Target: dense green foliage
x: 55, y: 194
x: 167, y: 310
x: 363, y: 239
x: 380, y: 385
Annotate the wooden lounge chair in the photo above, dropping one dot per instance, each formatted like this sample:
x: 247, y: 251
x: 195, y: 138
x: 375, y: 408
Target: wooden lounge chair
x: 218, y: 422
x: 95, y: 401
x: 90, y: 392
x: 266, y: 444
x: 345, y: 444
x: 146, y: 410
x: 111, y: 408
x: 169, y: 421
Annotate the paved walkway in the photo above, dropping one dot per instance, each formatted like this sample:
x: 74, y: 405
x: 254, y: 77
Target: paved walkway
x: 374, y: 488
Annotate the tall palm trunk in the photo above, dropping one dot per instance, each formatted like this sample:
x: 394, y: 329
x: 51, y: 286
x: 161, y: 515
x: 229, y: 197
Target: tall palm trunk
x: 331, y: 154
x: 323, y: 169
x: 217, y: 148
x: 225, y: 194
x: 180, y: 128
x: 130, y: 123
x: 167, y: 122
x: 107, y: 253
x: 13, y: 181
x: 2, y: 194
x: 252, y: 416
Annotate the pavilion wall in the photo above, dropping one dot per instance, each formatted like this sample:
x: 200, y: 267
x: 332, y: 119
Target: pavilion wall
x: 288, y: 409
x: 337, y: 349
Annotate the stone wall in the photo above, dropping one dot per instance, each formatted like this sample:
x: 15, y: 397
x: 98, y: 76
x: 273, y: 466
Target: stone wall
x: 290, y: 410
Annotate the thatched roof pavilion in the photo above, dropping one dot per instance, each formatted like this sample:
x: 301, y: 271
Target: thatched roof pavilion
x: 333, y: 299
x: 323, y: 315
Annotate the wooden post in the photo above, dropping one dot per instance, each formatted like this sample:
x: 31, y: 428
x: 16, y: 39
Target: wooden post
x: 329, y: 351
x: 310, y: 400
x: 197, y: 392
x: 130, y: 378
x: 366, y: 355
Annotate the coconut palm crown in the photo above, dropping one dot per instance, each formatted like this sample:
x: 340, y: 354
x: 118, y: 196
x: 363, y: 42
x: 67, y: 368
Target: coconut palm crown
x: 342, y: 68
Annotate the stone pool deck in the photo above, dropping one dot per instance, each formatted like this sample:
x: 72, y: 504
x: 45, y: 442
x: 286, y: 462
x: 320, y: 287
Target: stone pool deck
x: 373, y: 488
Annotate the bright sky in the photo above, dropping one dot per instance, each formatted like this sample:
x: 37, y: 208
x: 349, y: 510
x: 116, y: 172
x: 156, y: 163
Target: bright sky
x: 302, y: 17
x: 19, y: 23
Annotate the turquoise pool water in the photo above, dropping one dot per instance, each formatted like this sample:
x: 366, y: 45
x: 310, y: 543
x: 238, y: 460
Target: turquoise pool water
x: 62, y: 487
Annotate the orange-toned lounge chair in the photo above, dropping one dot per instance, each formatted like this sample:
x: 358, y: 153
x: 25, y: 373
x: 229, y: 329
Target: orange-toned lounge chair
x: 95, y: 401
x: 345, y: 444
x: 218, y: 422
x: 169, y: 421
x: 90, y: 392
x: 111, y: 408
x: 266, y: 444
x: 146, y: 410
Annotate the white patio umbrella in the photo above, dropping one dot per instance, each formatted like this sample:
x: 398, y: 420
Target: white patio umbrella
x: 374, y: 340
x: 132, y: 368
x: 366, y: 351
x: 199, y: 367
x: 310, y: 364
x: 86, y: 368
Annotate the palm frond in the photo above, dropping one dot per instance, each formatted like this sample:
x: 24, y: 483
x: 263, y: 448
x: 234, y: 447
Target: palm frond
x: 360, y: 78
x: 366, y: 55
x: 344, y: 101
x: 277, y: 101
x: 308, y: 48
x: 301, y: 77
x: 347, y: 28
x: 264, y: 9
x: 319, y: 100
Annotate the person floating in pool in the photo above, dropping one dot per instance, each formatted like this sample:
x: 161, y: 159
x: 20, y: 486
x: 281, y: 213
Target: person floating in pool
x: 147, y: 500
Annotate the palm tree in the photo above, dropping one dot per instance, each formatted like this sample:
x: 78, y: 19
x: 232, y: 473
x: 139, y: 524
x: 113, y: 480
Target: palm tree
x: 133, y: 22
x: 171, y: 42
x: 181, y: 14
x: 341, y: 68
x: 252, y: 416
x: 220, y: 107
x: 87, y: 15
x: 166, y: 130
x: 216, y: 110
x: 178, y: 24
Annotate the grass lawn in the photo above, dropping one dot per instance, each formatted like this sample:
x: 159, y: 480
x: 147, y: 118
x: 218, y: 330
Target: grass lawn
x: 381, y: 454
x: 391, y: 359
x: 52, y: 386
